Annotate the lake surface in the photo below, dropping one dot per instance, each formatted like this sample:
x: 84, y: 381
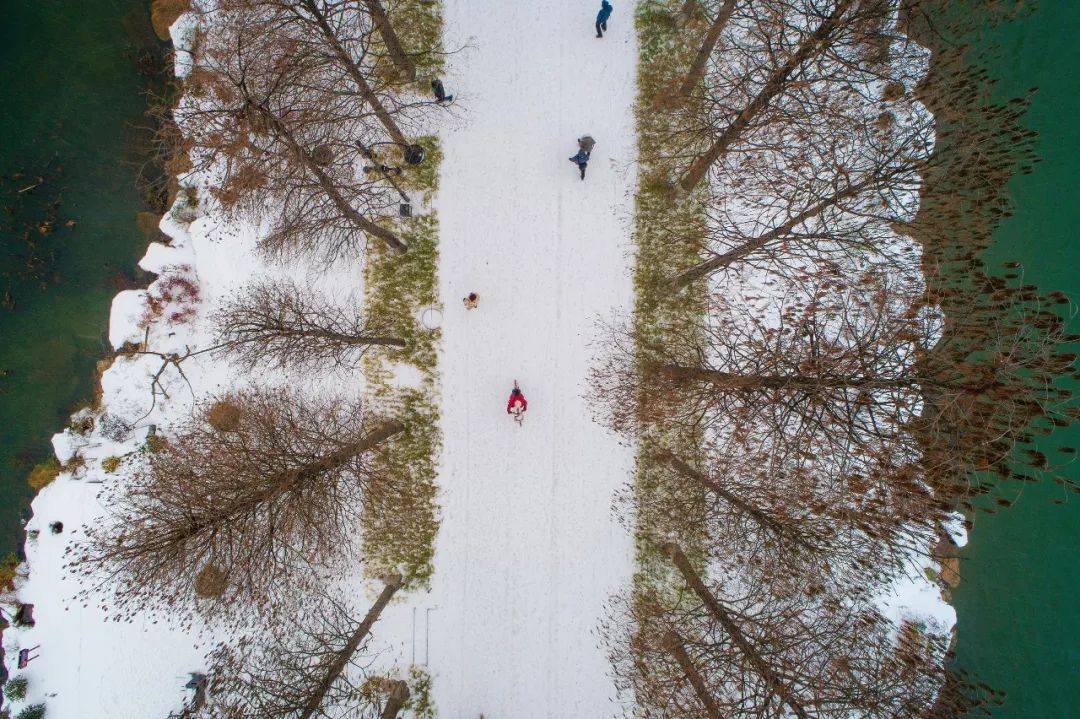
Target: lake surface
x: 1019, y: 602
x: 72, y: 78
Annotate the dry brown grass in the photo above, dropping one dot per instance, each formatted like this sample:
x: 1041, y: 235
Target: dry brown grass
x: 224, y: 415
x: 893, y: 91
x: 44, y: 473
x: 8, y: 567
x: 163, y: 13
x: 211, y: 582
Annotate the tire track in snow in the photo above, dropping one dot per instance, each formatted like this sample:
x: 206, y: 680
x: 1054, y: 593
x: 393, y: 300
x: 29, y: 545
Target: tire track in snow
x: 528, y: 552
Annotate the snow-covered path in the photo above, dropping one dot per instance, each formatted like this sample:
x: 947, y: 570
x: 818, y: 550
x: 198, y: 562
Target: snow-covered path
x: 528, y: 551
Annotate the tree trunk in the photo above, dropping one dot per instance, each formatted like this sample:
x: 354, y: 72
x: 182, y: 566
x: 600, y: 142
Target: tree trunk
x: 283, y: 482
x: 772, y: 87
x: 386, y: 29
x: 760, y: 665
x: 673, y: 643
x: 395, y: 700
x: 341, y: 660
x: 697, y: 68
x: 358, y: 77
x: 759, y: 517
x: 380, y: 341
x: 706, y: 268
x: 330, y: 189
x: 804, y: 383
x: 361, y: 341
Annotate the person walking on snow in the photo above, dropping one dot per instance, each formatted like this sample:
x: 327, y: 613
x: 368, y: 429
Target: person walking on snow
x: 581, y: 159
x: 440, y: 92
x: 517, y: 404
x: 602, y: 17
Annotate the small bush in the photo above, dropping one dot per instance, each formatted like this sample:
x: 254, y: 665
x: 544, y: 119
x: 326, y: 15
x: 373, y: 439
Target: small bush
x: 893, y: 91
x: 113, y: 428
x: 224, y: 415
x: 211, y: 582
x: 110, y: 464
x: 8, y: 567
x: 36, y: 711
x: 173, y: 297
x: 15, y: 689
x: 82, y: 421
x: 43, y: 474
x: 154, y: 444
x: 74, y: 464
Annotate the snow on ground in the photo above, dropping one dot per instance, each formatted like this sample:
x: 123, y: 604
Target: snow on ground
x: 528, y: 552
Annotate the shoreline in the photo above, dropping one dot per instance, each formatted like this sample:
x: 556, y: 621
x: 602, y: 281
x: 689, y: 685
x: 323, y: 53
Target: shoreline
x: 139, y: 402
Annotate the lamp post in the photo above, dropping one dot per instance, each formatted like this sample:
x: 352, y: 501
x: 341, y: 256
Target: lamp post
x: 414, y: 155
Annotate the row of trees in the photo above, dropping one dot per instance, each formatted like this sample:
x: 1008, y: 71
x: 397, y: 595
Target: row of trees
x: 250, y: 509
x: 809, y: 419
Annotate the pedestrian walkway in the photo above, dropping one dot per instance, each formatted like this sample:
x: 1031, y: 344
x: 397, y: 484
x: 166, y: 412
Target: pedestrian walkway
x: 528, y: 552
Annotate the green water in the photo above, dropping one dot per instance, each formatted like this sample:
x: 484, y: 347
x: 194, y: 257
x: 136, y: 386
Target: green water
x: 72, y: 78
x: 1019, y: 603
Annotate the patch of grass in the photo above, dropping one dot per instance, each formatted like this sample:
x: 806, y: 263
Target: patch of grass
x: 15, y: 689
x: 424, y: 178
x: 37, y: 711
x: 400, y: 518
x: 397, y: 287
x: 224, y: 415
x: 420, y: 703
x: 419, y: 26
x: 44, y: 473
x: 669, y: 235
x: 110, y: 464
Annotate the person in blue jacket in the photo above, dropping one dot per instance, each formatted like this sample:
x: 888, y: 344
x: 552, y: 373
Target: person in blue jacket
x: 581, y: 159
x: 602, y: 18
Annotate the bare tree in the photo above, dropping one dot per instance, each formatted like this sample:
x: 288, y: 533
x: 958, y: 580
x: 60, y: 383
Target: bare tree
x: 343, y: 32
x: 740, y: 648
x: 393, y: 45
x: 775, y: 79
x: 840, y: 200
x: 781, y: 66
x: 708, y: 44
x: 256, y: 489
x: 282, y: 324
x: 849, y: 525
x: 267, y: 123
x: 318, y: 671
x: 842, y: 366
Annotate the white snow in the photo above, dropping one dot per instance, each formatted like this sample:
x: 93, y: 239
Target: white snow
x: 528, y: 551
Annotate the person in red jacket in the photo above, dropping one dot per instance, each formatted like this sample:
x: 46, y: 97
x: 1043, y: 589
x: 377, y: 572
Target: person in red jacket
x: 517, y: 404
